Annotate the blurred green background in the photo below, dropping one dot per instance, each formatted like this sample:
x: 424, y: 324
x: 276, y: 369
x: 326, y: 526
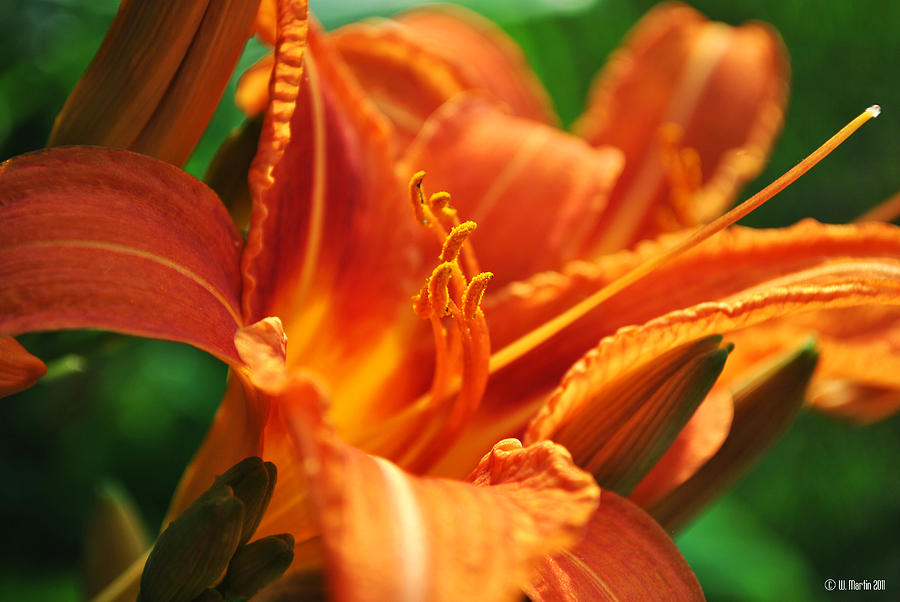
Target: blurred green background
x: 825, y: 503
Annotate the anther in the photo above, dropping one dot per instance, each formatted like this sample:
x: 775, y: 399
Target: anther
x: 416, y: 196
x: 437, y: 287
x: 474, y: 294
x: 455, y: 240
x: 439, y: 200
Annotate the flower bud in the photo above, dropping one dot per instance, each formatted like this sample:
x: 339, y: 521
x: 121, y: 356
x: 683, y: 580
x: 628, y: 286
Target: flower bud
x: 252, y: 481
x: 257, y: 564
x: 194, y: 550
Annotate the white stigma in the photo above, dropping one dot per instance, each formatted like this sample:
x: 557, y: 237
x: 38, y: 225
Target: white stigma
x: 874, y: 110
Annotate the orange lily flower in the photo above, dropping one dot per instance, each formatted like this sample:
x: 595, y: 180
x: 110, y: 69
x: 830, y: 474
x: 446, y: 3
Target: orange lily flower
x: 334, y: 253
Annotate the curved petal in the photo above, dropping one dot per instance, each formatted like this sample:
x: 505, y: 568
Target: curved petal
x: 858, y: 377
x: 412, y: 64
x: 389, y: 535
x: 332, y: 247
x: 738, y: 279
x: 18, y: 368
x: 325, y: 214
x: 102, y: 238
x: 619, y: 430
x: 523, y: 183
x: 846, y: 285
x: 625, y: 555
x: 194, y: 92
x: 724, y: 89
x: 405, y: 79
x: 489, y: 59
x: 156, y: 80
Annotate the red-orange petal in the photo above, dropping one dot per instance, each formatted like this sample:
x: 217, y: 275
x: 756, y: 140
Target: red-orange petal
x: 414, y: 63
x: 618, y: 430
x: 102, y: 238
x: 18, y: 368
x: 156, y: 80
x: 332, y: 243
x: 723, y: 87
x: 488, y: 58
x: 325, y: 214
x: 858, y: 376
x: 193, y: 93
x: 129, y: 75
x: 389, y: 535
x: 534, y: 191
x: 625, y: 555
x: 738, y: 279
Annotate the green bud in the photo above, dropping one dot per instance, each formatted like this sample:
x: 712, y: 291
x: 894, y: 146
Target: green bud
x: 194, y: 550
x: 257, y: 564
x: 253, y: 482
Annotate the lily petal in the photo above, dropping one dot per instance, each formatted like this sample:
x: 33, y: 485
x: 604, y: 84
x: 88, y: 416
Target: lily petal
x: 324, y: 165
x: 724, y: 89
x: 391, y: 536
x: 763, y: 408
x: 102, y: 238
x: 618, y: 429
x: 157, y: 78
x: 332, y: 243
x: 18, y: 368
x: 489, y: 59
x: 625, y: 555
x: 738, y: 279
x: 412, y: 64
x: 504, y: 172
x: 194, y: 92
x: 858, y: 377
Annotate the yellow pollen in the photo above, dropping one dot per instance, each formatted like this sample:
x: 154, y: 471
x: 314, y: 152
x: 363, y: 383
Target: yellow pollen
x: 439, y: 200
x: 416, y: 196
x: 455, y: 240
x: 422, y: 303
x: 474, y: 294
x: 437, y: 287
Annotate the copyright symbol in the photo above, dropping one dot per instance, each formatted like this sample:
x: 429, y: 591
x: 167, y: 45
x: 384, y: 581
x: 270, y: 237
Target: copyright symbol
x: 830, y: 584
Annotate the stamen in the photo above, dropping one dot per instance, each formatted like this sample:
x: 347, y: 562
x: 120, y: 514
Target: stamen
x: 439, y: 200
x: 455, y: 240
x: 544, y: 332
x: 422, y: 303
x: 437, y: 288
x: 474, y: 294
